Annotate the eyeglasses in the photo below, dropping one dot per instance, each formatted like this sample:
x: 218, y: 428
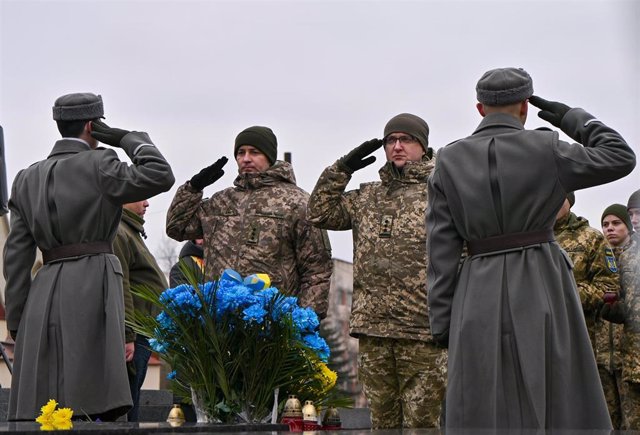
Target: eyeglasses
x: 404, y: 140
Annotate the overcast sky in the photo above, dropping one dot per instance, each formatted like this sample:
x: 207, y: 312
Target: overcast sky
x: 324, y: 75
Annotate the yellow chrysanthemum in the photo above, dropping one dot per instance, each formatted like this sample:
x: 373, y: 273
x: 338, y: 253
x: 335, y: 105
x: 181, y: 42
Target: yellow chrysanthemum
x: 47, y: 427
x: 62, y: 418
x: 45, y: 419
x: 49, y: 407
x: 327, y: 376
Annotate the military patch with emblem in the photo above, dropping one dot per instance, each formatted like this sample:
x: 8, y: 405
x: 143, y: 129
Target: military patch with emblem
x: 611, y: 260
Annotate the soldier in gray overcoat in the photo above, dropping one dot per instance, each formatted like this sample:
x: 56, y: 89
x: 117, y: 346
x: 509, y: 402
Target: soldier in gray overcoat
x: 519, y: 352
x: 68, y: 321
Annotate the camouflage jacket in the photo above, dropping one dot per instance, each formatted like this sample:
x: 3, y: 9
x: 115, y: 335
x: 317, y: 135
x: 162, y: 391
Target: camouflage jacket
x: 609, y: 335
x: 586, y: 247
x: 389, y: 236
x: 258, y: 226
x: 630, y: 291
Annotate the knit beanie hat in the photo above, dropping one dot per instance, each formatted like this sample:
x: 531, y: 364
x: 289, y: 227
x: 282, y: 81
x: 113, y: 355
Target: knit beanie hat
x: 620, y: 211
x: 410, y: 124
x: 261, y: 138
x: 504, y: 86
x: 634, y: 200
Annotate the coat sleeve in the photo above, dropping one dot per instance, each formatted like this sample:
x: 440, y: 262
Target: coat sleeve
x: 605, y: 156
x: 599, y: 278
x: 444, y: 249
x: 19, y: 255
x: 183, y: 217
x: 122, y: 250
x: 149, y: 175
x: 329, y: 206
x: 314, y: 266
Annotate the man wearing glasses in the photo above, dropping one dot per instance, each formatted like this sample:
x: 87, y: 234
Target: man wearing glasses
x: 402, y: 371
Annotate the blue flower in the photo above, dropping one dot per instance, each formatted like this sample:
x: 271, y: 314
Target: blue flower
x: 305, y: 320
x: 254, y: 313
x: 318, y: 345
x: 158, y: 346
x: 171, y: 375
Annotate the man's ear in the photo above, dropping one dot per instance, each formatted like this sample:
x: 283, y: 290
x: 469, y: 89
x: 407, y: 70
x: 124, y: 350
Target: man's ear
x: 480, y: 108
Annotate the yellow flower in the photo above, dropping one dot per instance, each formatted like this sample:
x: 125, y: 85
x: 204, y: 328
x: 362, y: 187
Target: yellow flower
x: 62, y: 418
x: 327, y: 376
x: 52, y: 419
x: 49, y: 407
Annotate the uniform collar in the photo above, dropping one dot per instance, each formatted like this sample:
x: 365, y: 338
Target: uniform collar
x: 499, y: 120
x: 69, y: 145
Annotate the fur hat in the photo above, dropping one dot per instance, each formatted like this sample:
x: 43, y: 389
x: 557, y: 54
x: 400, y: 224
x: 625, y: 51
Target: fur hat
x: 504, y: 86
x: 78, y: 107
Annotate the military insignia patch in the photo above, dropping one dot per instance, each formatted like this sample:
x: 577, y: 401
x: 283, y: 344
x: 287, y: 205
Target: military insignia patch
x: 611, y: 260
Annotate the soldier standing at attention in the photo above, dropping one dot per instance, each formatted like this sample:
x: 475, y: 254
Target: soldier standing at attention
x: 68, y: 322
x: 587, y: 249
x: 633, y: 208
x: 595, y: 272
x: 519, y: 352
x: 259, y: 225
x: 617, y: 228
x: 401, y: 369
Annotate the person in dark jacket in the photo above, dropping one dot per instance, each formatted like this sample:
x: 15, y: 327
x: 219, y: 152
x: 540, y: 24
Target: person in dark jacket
x: 139, y: 268
x: 519, y: 352
x: 191, y: 256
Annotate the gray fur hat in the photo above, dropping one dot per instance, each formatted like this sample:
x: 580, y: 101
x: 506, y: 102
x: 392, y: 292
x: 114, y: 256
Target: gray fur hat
x: 504, y: 86
x: 78, y: 107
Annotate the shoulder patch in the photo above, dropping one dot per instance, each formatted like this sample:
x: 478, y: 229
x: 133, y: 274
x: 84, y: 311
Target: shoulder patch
x: 610, y: 259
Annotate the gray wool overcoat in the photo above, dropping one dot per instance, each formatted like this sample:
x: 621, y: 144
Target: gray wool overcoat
x: 70, y: 317
x: 519, y: 353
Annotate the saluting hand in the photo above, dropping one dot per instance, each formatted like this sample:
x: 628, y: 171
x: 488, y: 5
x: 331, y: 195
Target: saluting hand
x: 356, y: 160
x: 107, y: 135
x: 552, y: 111
x: 208, y: 175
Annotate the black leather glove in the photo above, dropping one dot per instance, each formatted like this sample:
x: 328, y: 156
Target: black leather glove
x: 552, y: 111
x: 208, y: 175
x: 356, y: 158
x: 614, y: 313
x: 107, y: 135
x: 442, y: 339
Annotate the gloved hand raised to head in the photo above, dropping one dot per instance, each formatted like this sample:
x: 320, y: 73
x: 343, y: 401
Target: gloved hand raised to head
x: 208, y: 175
x: 107, y: 135
x: 552, y: 111
x: 356, y: 158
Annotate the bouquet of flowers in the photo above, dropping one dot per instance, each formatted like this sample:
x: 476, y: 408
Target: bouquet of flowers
x: 233, y: 343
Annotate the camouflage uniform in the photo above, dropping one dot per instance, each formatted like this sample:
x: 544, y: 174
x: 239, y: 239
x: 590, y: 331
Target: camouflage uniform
x: 630, y: 341
x: 586, y: 247
x: 609, y: 356
x: 258, y: 226
x: 401, y: 369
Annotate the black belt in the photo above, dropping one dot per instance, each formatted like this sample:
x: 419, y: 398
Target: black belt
x: 509, y: 241
x: 76, y: 250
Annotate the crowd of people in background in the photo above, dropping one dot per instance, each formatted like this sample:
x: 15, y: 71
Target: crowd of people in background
x: 473, y: 280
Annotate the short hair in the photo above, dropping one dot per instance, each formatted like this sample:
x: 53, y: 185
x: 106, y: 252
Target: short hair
x: 71, y: 128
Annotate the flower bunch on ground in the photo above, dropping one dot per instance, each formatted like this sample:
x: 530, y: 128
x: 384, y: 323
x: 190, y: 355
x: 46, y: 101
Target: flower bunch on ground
x: 55, y: 419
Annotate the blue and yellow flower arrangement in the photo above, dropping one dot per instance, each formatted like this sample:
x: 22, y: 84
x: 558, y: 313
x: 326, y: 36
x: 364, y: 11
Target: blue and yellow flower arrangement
x: 232, y: 343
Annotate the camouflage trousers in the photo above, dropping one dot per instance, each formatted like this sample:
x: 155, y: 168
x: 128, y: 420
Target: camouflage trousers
x: 610, y: 385
x: 404, y: 381
x: 630, y: 404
